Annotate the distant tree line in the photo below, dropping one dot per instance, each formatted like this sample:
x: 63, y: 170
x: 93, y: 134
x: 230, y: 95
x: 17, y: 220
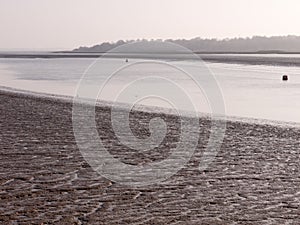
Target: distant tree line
x: 254, y: 44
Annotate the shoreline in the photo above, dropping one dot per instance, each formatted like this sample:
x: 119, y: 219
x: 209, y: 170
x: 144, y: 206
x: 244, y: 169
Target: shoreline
x: 254, y: 178
x: 151, y: 109
x: 230, y: 58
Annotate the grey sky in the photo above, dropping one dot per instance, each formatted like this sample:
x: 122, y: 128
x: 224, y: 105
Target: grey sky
x: 54, y: 24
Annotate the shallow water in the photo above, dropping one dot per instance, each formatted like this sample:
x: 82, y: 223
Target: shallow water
x: 254, y: 91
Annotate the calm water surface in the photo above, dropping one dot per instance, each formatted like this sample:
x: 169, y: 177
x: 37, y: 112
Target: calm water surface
x: 254, y: 91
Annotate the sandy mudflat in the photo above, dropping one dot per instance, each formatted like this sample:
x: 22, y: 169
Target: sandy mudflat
x: 255, y: 178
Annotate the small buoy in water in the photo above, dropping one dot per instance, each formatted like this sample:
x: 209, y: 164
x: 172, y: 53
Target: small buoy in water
x: 285, y: 78
x: 126, y: 60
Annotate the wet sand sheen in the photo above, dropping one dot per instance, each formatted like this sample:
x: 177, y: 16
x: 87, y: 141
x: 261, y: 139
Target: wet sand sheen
x: 44, y: 179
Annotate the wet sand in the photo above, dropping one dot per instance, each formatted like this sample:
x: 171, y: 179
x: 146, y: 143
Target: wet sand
x: 255, y: 178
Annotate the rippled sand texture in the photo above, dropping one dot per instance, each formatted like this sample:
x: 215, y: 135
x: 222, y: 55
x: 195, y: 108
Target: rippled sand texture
x: 44, y: 179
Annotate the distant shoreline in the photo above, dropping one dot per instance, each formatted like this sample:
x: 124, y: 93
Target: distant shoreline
x: 197, y: 52
x: 246, y: 58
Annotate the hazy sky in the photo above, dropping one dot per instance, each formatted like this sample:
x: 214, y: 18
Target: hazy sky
x: 64, y: 24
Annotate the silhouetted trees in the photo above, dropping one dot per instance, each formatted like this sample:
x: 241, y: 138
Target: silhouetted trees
x: 255, y: 44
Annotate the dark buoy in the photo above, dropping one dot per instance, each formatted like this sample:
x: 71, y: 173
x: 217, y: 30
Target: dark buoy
x: 285, y: 78
x: 126, y: 60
